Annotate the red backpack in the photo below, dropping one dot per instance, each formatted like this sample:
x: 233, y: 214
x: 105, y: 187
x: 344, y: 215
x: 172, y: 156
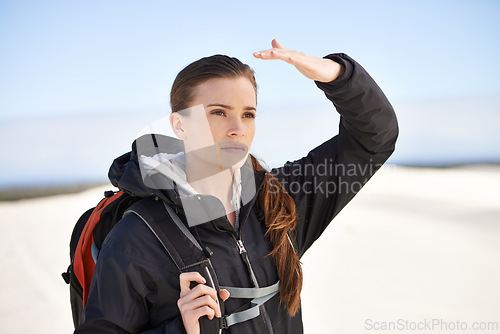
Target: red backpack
x: 86, y: 239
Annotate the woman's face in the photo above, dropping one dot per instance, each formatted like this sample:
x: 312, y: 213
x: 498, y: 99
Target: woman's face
x: 220, y: 125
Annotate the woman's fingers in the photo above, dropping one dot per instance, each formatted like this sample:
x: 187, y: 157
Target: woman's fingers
x: 271, y: 54
x: 199, y: 297
x: 275, y: 44
x: 199, y: 290
x: 201, y: 302
x: 185, y: 280
x: 224, y: 294
x: 320, y: 69
x: 301, y: 60
x: 280, y: 52
x: 200, y: 312
x: 277, y: 52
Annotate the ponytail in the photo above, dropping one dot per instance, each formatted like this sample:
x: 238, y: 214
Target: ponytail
x: 280, y: 218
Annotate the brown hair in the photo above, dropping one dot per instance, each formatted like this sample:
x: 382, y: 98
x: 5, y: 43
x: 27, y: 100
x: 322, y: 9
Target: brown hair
x: 278, y: 206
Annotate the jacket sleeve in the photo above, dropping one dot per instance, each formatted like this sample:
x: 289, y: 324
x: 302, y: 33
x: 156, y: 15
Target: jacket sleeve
x: 119, y: 297
x: 324, y: 181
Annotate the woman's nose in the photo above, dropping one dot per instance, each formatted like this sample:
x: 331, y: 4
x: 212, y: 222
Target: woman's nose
x: 236, y: 128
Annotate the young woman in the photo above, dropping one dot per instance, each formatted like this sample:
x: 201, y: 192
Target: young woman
x: 256, y: 223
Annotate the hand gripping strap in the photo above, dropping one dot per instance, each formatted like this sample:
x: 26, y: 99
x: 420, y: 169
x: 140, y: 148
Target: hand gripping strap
x: 259, y: 295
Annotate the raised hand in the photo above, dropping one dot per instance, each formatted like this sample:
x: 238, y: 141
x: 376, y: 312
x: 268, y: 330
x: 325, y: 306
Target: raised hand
x: 315, y: 68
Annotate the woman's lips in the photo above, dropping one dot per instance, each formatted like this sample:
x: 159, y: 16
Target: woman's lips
x: 234, y: 147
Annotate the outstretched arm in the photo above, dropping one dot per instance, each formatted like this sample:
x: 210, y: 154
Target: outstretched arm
x: 324, y: 181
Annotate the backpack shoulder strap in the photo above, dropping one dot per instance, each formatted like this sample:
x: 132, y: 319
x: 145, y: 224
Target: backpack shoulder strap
x: 183, y: 248
x: 174, y: 236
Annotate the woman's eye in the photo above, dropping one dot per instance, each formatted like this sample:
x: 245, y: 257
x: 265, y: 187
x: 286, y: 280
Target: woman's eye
x: 249, y: 115
x: 218, y: 112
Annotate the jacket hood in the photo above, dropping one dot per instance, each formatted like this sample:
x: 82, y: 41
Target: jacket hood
x: 156, y: 167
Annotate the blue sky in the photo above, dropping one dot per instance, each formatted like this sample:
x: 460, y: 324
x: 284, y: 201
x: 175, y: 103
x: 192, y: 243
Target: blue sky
x: 72, y: 72
x: 64, y: 57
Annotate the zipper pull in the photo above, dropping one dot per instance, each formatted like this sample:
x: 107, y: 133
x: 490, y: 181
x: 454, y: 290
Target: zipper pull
x: 239, y: 242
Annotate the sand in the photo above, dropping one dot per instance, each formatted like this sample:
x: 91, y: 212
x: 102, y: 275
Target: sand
x: 416, y: 247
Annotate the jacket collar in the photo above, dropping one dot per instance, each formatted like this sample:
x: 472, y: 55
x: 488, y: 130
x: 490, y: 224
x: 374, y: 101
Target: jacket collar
x: 128, y: 174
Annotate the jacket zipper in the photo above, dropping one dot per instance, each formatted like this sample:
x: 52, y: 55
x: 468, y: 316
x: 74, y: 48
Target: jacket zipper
x: 243, y: 252
x: 240, y: 246
x: 244, y: 255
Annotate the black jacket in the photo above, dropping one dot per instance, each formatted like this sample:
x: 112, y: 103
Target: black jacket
x: 135, y: 286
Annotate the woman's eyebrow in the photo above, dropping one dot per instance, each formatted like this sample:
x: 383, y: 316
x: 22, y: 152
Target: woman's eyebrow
x: 227, y: 107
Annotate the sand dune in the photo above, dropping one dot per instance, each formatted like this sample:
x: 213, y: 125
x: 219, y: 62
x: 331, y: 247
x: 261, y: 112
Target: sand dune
x: 415, y: 244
